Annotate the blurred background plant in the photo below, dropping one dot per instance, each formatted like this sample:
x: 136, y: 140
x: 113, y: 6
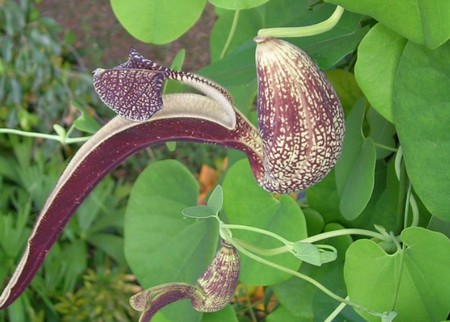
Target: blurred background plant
x: 94, y: 239
x: 94, y: 301
x: 38, y: 69
x: 45, y: 79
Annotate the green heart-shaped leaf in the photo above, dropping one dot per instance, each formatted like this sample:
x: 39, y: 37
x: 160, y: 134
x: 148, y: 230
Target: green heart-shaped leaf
x: 376, y: 67
x: 246, y: 203
x: 237, y: 4
x: 355, y: 168
x: 422, y: 21
x: 157, y: 22
x: 383, y: 282
x: 422, y: 118
x: 161, y: 245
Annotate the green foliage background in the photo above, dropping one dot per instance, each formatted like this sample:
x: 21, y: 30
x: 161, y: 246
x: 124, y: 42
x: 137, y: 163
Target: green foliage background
x: 389, y: 64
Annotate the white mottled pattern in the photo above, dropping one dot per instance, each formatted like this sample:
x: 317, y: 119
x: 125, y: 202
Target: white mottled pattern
x: 300, y: 118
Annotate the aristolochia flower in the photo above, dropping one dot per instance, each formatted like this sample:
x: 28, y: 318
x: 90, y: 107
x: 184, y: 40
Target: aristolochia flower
x: 300, y: 133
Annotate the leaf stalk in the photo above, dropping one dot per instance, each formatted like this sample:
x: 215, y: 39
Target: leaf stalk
x: 231, y: 33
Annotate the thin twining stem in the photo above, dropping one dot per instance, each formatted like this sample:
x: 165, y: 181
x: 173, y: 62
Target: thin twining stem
x: 257, y: 230
x: 344, y: 232
x: 62, y: 140
x: 304, y: 31
x: 312, y: 239
x: 263, y: 251
x: 385, y: 147
x: 336, y: 311
x: 411, y: 202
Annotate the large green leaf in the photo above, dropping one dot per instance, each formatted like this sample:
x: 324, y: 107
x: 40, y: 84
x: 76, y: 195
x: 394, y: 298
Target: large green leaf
x: 282, y: 314
x: 422, y: 21
x: 414, y: 281
x: 157, y: 21
x: 422, y: 118
x: 161, y: 245
x: 360, y: 182
x: 246, y: 203
x: 324, y: 198
x: 439, y: 225
x: 355, y: 168
x: 237, y: 4
x: 285, y: 13
x: 383, y: 207
x: 237, y: 68
x: 344, y: 83
x: 375, y: 69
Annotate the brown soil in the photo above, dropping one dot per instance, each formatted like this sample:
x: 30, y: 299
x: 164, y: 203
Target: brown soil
x: 102, y: 42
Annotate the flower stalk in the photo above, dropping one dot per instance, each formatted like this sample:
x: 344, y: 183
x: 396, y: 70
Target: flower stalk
x: 304, y: 31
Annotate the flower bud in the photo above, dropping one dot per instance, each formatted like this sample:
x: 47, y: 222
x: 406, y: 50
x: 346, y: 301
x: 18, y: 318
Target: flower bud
x: 219, y: 281
x: 212, y: 292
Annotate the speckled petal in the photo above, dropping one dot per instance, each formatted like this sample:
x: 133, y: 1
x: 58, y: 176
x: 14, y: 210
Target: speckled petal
x: 218, y: 283
x: 301, y: 120
x: 134, y: 94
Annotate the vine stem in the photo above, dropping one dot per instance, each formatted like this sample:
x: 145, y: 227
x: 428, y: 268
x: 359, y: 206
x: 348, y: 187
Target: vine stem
x: 304, y: 31
x: 62, y: 140
x: 385, y: 147
x: 411, y: 202
x: 312, y: 239
x: 257, y: 230
x: 406, y: 198
x: 402, y: 200
x: 231, y: 33
x: 414, y: 210
x: 264, y: 251
x: 336, y: 311
x: 343, y: 232
x: 398, y: 162
x: 304, y: 277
